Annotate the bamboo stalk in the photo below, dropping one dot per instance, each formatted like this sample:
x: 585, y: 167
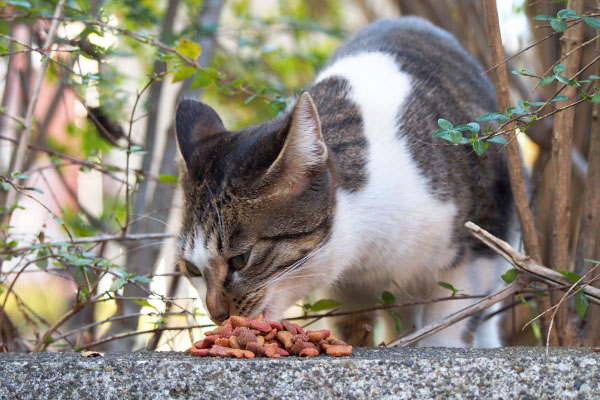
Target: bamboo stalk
x: 517, y: 180
x: 20, y: 153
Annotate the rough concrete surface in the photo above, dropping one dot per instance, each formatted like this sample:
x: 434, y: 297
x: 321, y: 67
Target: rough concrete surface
x: 508, y: 373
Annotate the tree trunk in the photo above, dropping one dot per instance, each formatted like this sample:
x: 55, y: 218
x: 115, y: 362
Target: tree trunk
x: 562, y: 143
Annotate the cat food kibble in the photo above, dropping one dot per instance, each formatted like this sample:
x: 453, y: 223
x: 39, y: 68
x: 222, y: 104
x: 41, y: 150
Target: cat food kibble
x: 242, y: 337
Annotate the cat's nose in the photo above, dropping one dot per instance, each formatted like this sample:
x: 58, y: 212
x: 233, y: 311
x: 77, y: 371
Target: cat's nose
x: 217, y: 308
x: 220, y: 318
x: 217, y: 303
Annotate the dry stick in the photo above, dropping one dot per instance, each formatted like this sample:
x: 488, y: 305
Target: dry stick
x: 131, y: 119
x: 588, y: 242
x: 517, y: 181
x: 567, y: 295
x: 74, y: 310
x: 101, y: 238
x: 481, y: 305
x: 113, y: 318
x: 29, y: 115
x: 128, y: 334
x: 525, y: 264
x: 383, y: 307
x: 562, y: 142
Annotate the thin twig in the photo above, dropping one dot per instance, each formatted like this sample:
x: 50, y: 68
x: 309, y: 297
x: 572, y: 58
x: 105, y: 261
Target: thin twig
x: 128, y: 334
x: 384, y: 307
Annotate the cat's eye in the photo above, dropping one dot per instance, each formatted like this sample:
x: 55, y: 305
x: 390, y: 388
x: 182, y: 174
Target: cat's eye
x: 190, y: 268
x: 238, y: 262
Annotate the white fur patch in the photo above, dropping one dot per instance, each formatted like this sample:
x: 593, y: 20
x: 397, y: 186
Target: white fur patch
x: 198, y: 255
x: 391, y: 232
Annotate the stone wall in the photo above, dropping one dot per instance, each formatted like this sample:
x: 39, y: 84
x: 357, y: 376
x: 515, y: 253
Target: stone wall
x: 509, y: 373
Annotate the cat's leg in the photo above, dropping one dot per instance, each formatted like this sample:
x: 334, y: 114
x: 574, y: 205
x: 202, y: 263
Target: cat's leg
x: 350, y: 328
x: 480, y: 276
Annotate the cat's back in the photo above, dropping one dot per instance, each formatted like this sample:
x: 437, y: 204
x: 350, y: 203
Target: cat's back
x: 431, y: 58
x: 380, y: 96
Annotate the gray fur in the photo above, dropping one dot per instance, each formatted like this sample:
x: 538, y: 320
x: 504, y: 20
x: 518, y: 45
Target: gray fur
x: 447, y: 83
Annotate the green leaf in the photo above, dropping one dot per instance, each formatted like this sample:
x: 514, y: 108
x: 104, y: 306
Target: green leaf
x: 388, y: 298
x: 515, y: 111
x: 492, y: 117
x: 543, y: 18
x: 324, y: 304
x: 80, y: 261
x: 596, y: 98
x: 474, y: 127
x: 448, y: 286
x: 18, y: 175
x: 497, y: 139
x: 397, y: 321
x: 558, y: 25
x: 42, y: 264
x: 581, y: 304
x: 593, y: 22
x: 455, y: 136
x: 510, y: 275
x: 58, y: 220
x: 560, y: 98
x: 189, y: 49
x: 37, y: 190
x: 522, y: 299
x: 593, y: 77
x: 566, y: 13
x: 20, y: 3
x: 545, y: 81
x: 591, y: 261
x: 117, y: 284
x: 202, y: 79
x: 170, y: 179
x: 438, y: 133
x: 250, y: 98
x: 571, y: 276
x: 143, y: 279
x: 480, y: 146
x: 445, y: 124
x: 563, y: 79
x: 183, y: 73
x: 558, y: 68
x: 145, y: 303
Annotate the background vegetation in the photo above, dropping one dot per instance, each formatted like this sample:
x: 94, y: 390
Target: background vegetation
x: 88, y: 161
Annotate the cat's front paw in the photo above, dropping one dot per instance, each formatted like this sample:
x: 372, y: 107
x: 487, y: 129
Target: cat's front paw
x: 356, y: 330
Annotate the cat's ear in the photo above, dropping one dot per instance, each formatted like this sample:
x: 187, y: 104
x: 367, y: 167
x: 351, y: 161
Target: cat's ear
x: 304, y: 151
x: 195, y: 121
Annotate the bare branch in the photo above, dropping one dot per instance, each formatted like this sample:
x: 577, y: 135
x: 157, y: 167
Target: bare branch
x: 524, y: 263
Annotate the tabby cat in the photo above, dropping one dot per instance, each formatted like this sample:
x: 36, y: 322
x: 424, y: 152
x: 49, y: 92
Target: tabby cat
x: 348, y: 189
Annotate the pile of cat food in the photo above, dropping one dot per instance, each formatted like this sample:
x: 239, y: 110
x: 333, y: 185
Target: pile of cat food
x: 243, y: 337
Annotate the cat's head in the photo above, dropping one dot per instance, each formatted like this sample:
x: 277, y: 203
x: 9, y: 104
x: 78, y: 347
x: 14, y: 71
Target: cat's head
x: 258, y: 206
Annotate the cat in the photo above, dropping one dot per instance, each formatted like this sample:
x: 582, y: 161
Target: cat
x: 349, y: 190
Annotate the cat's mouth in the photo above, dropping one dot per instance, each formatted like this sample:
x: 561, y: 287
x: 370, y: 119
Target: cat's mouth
x: 268, y: 312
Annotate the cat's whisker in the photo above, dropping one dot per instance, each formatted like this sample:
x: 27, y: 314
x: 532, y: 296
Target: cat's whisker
x: 295, y: 266
x: 146, y: 216
x: 161, y: 242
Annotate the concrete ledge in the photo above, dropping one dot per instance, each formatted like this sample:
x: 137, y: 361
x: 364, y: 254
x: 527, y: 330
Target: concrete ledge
x: 508, y: 373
